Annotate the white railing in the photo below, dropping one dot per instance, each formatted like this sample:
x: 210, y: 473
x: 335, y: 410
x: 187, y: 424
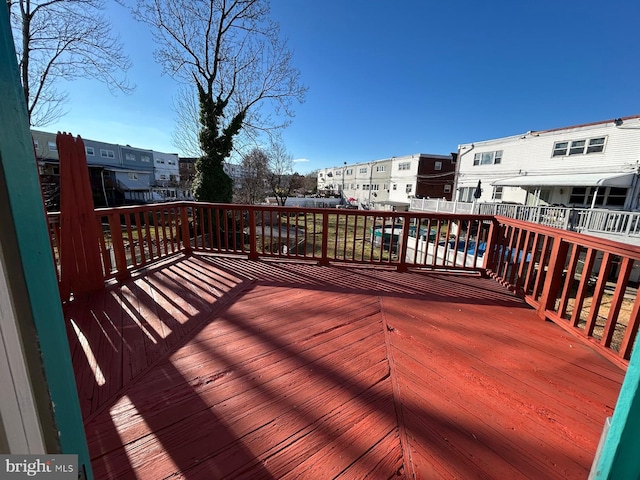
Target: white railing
x: 613, y: 224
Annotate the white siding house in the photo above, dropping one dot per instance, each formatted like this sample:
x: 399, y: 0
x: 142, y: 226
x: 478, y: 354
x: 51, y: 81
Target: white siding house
x: 591, y: 165
x: 404, y: 178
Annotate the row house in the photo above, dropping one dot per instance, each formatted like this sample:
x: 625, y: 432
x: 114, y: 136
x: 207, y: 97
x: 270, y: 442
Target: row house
x: 119, y: 174
x: 166, y: 172
x: 591, y: 165
x: 390, y: 183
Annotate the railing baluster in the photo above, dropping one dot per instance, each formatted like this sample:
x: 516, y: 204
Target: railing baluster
x: 596, y: 299
x: 616, y: 301
x: 582, y: 288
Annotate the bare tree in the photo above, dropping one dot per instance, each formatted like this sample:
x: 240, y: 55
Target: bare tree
x: 185, y: 135
x: 63, y: 40
x: 282, y: 179
x: 232, y: 53
x: 253, y: 187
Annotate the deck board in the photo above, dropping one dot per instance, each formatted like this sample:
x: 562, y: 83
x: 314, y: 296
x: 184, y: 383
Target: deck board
x: 217, y: 367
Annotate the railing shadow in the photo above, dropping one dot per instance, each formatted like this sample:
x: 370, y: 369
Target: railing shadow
x: 181, y: 297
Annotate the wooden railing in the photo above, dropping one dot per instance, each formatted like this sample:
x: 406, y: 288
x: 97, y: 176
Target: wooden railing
x: 585, y: 284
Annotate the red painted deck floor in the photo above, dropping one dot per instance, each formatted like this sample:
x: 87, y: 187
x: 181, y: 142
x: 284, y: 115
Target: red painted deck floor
x: 208, y: 367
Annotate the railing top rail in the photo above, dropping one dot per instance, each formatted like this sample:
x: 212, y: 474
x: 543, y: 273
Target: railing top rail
x: 279, y: 208
x: 584, y: 239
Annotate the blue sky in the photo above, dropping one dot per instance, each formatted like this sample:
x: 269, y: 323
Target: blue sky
x: 396, y: 78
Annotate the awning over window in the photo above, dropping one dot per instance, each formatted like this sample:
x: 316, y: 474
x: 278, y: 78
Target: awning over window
x: 623, y: 180
x: 129, y: 184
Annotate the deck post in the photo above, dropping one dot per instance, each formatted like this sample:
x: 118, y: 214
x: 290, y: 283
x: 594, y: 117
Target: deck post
x: 619, y: 454
x: 184, y: 221
x: 324, y: 258
x: 253, y: 234
x: 402, y: 265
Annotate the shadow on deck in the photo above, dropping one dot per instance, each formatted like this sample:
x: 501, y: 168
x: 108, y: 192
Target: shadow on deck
x: 212, y: 367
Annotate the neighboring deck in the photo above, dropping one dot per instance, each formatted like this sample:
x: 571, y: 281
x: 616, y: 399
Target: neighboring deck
x: 208, y: 367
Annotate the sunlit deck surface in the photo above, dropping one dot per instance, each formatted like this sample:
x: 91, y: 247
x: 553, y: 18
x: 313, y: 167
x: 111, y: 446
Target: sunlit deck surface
x: 208, y: 367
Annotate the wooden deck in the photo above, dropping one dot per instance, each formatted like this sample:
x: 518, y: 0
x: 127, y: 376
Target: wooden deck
x: 207, y: 367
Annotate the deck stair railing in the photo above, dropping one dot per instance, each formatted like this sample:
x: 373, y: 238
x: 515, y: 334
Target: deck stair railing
x: 585, y: 284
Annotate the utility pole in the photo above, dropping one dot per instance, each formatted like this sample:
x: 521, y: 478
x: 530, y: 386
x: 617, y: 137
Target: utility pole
x: 344, y: 168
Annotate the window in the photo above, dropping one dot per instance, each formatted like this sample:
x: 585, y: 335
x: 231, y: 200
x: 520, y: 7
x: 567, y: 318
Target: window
x: 52, y: 146
x: 487, y: 158
x: 447, y: 189
x: 560, y: 149
x: 321, y: 175
x: 163, y: 177
x: 610, y: 196
x: 89, y: 151
x: 363, y: 170
x: 160, y: 160
x: 395, y: 186
x: 497, y: 193
x: 338, y: 173
x: 358, y: 187
x: 35, y: 143
x: 437, y: 166
x: 107, y: 153
x: 408, y: 188
x: 577, y: 147
x: 133, y: 176
x: 130, y: 156
x: 404, y: 166
x: 145, y: 158
x: 365, y: 186
x: 596, y: 145
x: 381, y: 168
x: 349, y: 171
x: 375, y: 187
x: 616, y: 196
x: 466, y: 194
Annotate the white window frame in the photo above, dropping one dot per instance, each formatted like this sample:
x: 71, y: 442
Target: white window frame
x: 408, y: 188
x: 437, y: 166
x: 487, y: 158
x: 404, y: 166
x: 106, y: 153
x: 447, y: 188
x: 498, y: 191
x: 90, y: 151
x: 381, y: 168
x: 560, y: 149
x: 596, y: 145
x: 576, y: 149
x: 130, y: 156
x: 363, y: 170
x: 52, y: 146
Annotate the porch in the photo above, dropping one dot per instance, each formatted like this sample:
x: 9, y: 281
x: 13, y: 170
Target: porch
x: 216, y: 353
x: 206, y: 366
